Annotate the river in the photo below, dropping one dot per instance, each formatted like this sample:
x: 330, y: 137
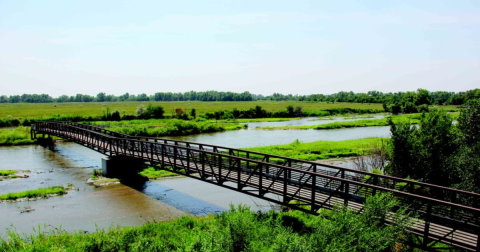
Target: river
x: 89, y: 207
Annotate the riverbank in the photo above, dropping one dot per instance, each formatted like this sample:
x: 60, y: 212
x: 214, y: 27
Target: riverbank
x: 236, y: 230
x: 408, y: 118
x: 412, y: 118
x: 317, y: 150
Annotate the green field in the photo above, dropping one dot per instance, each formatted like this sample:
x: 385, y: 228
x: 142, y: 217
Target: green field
x: 320, y: 149
x: 39, y: 110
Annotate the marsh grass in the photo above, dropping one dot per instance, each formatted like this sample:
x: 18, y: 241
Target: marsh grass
x: 238, y: 229
x: 413, y: 118
x: 152, y: 173
x: 167, y: 127
x: 40, y: 192
x: 320, y: 149
x: 7, y: 172
x: 16, y: 136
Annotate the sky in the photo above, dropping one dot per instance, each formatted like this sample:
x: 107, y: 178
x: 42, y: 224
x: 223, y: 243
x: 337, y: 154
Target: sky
x: 264, y: 47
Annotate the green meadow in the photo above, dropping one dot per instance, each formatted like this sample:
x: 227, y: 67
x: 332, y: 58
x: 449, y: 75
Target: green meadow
x: 47, y: 110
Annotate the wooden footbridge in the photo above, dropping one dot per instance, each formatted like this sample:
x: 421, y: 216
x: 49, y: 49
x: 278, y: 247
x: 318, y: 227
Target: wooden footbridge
x: 441, y: 214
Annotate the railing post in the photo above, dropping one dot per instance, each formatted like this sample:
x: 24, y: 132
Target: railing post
x: 267, y: 160
x: 314, y: 185
x: 285, y: 200
x: 202, y: 154
x: 452, y: 209
x: 163, y: 157
x: 289, y: 171
x: 260, y: 180
x: 151, y: 152
x: 239, y: 168
x: 174, y: 156
x: 219, y: 170
x: 248, y: 162
x: 375, y: 182
x: 111, y: 143
x: 347, y: 195
x: 342, y: 184
x: 426, y: 231
x: 188, y: 162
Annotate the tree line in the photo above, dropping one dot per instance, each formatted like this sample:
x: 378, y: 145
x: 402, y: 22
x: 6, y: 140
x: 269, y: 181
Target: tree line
x: 393, y: 102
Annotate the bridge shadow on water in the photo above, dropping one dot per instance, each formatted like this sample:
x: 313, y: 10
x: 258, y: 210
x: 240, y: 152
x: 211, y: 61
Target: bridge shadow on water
x: 153, y: 189
x: 170, y: 196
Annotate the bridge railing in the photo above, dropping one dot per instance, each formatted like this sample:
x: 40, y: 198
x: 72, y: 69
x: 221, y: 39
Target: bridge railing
x: 419, y: 188
x: 317, y: 185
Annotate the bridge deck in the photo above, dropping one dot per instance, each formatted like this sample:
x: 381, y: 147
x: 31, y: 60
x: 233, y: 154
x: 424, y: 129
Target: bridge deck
x: 281, y: 180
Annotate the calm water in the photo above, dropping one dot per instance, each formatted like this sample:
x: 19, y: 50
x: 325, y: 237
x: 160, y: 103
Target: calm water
x: 254, y: 137
x: 135, y: 204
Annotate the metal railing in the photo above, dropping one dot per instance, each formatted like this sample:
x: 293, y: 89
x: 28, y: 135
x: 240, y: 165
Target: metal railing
x: 444, y: 214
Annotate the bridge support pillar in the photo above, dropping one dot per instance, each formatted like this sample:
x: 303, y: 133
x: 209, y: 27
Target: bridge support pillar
x: 120, y: 166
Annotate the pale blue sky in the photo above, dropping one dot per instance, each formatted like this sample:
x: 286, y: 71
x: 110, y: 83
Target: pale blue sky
x: 298, y: 47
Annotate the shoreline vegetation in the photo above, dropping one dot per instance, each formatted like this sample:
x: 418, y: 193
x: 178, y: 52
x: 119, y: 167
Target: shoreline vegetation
x: 151, y: 173
x: 410, y: 118
x: 319, y: 150
x: 238, y: 229
x: 167, y: 127
x: 12, y: 174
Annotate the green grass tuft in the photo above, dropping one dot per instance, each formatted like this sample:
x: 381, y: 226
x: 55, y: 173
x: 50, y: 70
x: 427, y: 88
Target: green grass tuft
x: 40, y: 192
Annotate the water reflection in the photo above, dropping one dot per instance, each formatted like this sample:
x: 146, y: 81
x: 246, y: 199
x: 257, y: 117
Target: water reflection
x: 253, y: 138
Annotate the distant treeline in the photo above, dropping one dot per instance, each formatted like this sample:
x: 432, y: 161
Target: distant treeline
x: 421, y: 96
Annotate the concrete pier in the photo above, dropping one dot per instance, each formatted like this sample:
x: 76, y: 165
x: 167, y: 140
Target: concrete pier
x: 115, y: 167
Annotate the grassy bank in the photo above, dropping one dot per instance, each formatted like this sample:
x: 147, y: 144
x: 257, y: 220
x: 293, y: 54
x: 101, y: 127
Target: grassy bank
x: 236, y: 230
x: 320, y: 149
x: 16, y: 136
x: 167, y: 127
x: 412, y: 118
x: 152, y: 173
x: 40, y: 192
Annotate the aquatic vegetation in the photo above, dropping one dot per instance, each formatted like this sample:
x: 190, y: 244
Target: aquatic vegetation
x: 40, y: 192
x: 152, y: 173
x: 320, y: 149
x: 412, y: 118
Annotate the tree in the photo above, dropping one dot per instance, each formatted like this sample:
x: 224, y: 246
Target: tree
x: 154, y: 111
x: 468, y: 159
x: 425, y: 153
x: 423, y: 97
x: 101, y: 97
x: 193, y: 113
